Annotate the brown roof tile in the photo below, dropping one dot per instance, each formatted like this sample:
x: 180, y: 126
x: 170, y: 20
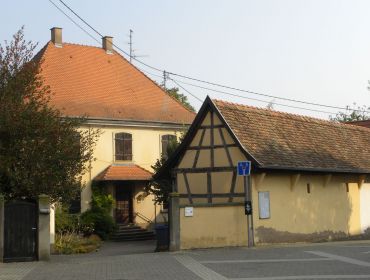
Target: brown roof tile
x: 124, y: 173
x: 87, y: 81
x: 282, y: 140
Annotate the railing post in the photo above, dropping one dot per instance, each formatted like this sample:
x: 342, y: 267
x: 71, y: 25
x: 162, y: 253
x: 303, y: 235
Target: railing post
x: 174, y: 221
x: 2, y: 209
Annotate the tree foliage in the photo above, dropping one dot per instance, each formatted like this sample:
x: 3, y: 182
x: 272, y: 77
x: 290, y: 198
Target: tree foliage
x: 183, y: 99
x: 162, y: 187
x: 352, y: 113
x: 41, y: 152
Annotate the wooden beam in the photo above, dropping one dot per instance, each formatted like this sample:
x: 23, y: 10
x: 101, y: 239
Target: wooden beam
x: 294, y: 181
x: 188, y: 189
x: 204, y: 169
x: 197, y: 148
x: 327, y: 179
x: 212, y: 135
x: 361, y: 180
x: 217, y: 195
x: 198, y: 151
x: 210, y: 126
x: 258, y: 179
x: 209, y: 187
x: 232, y: 187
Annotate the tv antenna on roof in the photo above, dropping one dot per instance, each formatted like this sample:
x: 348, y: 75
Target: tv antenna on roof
x: 132, y: 50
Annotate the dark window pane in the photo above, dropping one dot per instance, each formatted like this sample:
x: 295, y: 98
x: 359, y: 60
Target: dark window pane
x: 123, y: 146
x: 166, y: 139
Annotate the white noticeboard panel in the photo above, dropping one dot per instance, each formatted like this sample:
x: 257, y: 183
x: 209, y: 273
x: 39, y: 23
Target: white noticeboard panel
x: 188, y: 211
x: 264, y: 205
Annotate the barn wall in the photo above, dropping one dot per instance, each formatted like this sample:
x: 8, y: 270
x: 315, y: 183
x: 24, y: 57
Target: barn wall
x: 213, y: 227
x: 296, y: 215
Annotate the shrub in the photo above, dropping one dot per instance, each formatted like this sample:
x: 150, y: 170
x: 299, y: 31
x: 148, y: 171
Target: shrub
x: 99, y: 221
x: 65, y: 222
x: 71, y: 243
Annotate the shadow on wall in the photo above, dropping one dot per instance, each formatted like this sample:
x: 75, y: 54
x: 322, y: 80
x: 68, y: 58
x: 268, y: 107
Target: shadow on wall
x: 312, y: 211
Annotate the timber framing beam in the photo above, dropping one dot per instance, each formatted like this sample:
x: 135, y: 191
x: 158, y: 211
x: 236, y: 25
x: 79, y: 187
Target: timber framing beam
x: 361, y: 180
x: 294, y: 179
x: 213, y: 195
x: 197, y: 148
x: 204, y: 169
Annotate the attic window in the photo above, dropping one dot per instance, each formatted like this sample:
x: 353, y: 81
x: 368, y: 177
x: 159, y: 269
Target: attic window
x: 123, y: 146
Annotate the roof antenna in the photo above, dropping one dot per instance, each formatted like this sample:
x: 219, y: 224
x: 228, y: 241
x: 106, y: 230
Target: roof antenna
x: 132, y: 50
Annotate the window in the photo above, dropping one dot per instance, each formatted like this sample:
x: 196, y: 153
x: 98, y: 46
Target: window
x: 308, y: 188
x: 166, y: 141
x: 264, y: 205
x: 123, y: 146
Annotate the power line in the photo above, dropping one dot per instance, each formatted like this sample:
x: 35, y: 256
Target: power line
x: 71, y: 19
x: 254, y: 99
x: 217, y: 84
x: 234, y: 95
x: 196, y: 97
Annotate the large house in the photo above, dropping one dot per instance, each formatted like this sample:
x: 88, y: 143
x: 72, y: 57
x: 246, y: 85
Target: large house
x: 307, y: 178
x: 136, y: 118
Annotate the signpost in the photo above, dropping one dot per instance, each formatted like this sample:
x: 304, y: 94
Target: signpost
x: 244, y: 169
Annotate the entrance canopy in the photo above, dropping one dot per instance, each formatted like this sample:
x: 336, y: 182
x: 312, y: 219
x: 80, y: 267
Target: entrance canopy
x: 126, y: 172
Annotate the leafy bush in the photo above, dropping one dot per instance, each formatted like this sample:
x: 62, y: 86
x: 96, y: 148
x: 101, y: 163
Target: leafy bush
x: 99, y: 221
x: 98, y: 218
x: 65, y: 222
x: 71, y: 243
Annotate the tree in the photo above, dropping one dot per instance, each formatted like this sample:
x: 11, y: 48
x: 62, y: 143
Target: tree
x: 354, y: 113
x: 161, y: 188
x: 41, y: 152
x: 183, y: 99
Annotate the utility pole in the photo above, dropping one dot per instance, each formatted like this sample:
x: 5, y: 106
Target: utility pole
x: 165, y: 77
x: 130, y: 43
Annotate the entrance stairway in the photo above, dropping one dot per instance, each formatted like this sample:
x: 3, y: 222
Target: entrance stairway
x: 131, y: 232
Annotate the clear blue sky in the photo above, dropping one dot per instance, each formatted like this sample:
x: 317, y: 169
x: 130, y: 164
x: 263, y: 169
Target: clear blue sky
x: 318, y: 51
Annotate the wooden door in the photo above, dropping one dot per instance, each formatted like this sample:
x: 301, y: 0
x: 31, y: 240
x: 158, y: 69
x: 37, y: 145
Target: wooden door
x: 20, y: 231
x: 124, y: 213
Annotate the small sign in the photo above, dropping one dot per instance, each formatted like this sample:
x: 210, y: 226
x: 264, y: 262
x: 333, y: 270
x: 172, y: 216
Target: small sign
x: 244, y: 168
x: 188, y: 211
x: 248, y: 207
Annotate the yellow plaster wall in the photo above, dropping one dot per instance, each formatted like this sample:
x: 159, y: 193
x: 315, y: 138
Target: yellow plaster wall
x: 328, y: 208
x: 213, y: 227
x: 146, y: 149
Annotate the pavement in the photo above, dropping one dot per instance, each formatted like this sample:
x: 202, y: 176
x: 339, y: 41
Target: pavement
x: 136, y: 260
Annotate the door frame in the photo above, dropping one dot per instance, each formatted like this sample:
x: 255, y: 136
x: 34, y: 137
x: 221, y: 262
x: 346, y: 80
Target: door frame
x: 128, y: 187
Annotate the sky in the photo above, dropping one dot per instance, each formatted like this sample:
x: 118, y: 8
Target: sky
x: 316, y: 51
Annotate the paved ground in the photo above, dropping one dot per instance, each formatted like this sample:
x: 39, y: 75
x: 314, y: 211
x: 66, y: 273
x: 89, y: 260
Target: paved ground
x: 119, y: 261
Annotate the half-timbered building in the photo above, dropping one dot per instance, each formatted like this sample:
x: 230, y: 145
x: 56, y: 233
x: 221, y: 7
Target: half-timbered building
x: 305, y: 180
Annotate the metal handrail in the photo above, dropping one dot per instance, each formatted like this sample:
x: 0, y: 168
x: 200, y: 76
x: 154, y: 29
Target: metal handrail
x: 146, y: 219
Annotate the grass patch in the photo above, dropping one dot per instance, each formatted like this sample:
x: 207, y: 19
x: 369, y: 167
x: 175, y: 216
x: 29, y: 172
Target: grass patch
x: 72, y: 243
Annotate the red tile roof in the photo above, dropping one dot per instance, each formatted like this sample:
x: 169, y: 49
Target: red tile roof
x: 124, y: 173
x: 86, y: 80
x: 364, y: 123
x: 287, y: 141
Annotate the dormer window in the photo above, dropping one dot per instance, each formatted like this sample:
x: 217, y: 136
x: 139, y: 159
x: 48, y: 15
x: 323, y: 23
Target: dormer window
x: 123, y: 146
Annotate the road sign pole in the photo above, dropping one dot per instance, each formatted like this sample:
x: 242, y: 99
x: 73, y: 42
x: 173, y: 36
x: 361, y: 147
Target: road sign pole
x: 248, y: 198
x: 250, y: 223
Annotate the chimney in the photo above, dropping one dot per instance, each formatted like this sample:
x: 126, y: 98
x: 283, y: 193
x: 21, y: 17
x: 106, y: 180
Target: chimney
x: 108, y: 44
x: 56, y: 36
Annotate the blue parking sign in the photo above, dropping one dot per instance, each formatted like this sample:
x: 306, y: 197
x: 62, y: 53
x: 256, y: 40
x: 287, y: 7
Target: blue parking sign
x: 244, y: 168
